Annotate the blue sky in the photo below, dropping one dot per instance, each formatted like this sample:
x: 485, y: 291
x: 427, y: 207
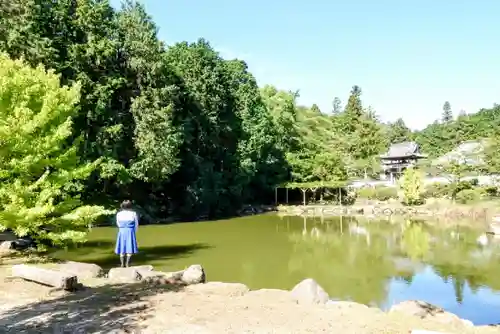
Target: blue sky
x: 409, y: 57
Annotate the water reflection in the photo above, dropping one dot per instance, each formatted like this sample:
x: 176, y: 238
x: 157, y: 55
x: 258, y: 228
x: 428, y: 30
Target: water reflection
x: 380, y: 263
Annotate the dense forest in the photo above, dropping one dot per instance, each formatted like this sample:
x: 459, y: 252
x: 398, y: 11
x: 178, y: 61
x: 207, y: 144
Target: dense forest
x: 179, y: 129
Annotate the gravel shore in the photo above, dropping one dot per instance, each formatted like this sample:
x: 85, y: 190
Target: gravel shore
x: 104, y: 307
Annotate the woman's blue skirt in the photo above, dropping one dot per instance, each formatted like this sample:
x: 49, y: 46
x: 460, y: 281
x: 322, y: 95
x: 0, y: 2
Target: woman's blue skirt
x: 126, y: 242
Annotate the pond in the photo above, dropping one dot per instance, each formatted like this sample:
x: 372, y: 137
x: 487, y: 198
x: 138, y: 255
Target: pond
x: 376, y: 263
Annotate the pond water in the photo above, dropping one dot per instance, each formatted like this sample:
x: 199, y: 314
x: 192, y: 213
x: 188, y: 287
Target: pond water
x: 376, y: 263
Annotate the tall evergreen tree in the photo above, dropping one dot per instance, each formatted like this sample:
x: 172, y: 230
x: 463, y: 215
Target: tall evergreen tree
x: 447, y: 113
x: 337, y: 106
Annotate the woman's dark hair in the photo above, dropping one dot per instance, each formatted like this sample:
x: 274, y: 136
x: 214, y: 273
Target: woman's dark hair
x: 126, y: 204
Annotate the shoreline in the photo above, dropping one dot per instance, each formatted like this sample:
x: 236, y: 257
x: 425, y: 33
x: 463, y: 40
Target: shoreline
x: 386, y: 209
x: 210, y: 307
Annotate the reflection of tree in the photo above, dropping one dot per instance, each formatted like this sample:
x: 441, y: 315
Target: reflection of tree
x: 461, y: 262
x: 350, y: 268
x: 415, y: 242
x: 458, y: 286
x: 345, y: 265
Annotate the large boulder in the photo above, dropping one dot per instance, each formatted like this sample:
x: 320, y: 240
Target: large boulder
x: 194, y: 274
x: 129, y: 274
x: 81, y: 269
x: 309, y: 292
x: 6, y: 245
x: 425, y: 310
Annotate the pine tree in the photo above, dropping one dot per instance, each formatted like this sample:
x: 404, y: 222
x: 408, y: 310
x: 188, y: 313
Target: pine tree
x: 447, y: 113
x: 353, y: 110
x: 40, y: 172
x: 315, y: 109
x: 399, y: 132
x: 337, y: 106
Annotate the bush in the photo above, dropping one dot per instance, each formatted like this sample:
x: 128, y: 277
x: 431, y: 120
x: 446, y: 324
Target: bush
x: 470, y: 195
x: 411, y: 184
x: 379, y: 193
x: 440, y: 190
x: 436, y: 190
x: 491, y: 191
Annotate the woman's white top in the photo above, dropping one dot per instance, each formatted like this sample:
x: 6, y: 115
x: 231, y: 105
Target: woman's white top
x: 127, y: 219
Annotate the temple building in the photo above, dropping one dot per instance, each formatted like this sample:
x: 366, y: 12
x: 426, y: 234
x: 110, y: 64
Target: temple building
x: 399, y: 157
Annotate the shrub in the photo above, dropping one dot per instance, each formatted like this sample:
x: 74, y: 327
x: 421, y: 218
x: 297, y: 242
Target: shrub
x: 411, y: 184
x: 470, y: 195
x: 380, y: 193
x: 491, y: 191
x: 436, y: 190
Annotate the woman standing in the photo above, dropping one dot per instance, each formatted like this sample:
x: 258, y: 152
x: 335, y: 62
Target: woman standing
x: 126, y: 242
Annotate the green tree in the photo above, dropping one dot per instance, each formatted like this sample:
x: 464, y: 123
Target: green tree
x: 411, y: 184
x: 398, y: 132
x: 315, y: 109
x: 337, y: 106
x: 353, y: 109
x: 40, y: 170
x: 447, y: 113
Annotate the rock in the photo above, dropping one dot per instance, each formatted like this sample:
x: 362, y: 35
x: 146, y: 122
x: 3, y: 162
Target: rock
x: 425, y: 310
x: 81, y: 269
x: 129, y: 274
x: 23, y: 243
x: 309, y: 292
x: 145, y: 274
x: 4, y: 245
x: 219, y: 288
x: 160, y: 278
x: 193, y: 275
x: 54, y: 278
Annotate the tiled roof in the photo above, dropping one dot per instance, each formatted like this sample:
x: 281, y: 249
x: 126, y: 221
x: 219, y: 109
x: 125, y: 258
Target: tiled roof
x: 403, y: 149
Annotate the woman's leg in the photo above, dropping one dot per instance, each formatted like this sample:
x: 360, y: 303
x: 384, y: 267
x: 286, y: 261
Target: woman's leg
x: 127, y: 264
x: 122, y: 260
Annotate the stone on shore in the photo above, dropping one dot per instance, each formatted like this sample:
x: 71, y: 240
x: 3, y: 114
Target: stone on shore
x: 7, y: 245
x: 54, y: 278
x: 194, y: 274
x: 425, y: 310
x: 81, y: 269
x: 129, y: 274
x: 309, y: 292
x: 219, y: 289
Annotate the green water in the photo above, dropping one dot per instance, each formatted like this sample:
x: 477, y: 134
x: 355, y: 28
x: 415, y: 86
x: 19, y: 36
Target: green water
x: 375, y: 263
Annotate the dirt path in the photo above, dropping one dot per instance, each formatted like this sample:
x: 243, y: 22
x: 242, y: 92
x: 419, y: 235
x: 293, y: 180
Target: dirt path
x: 212, y: 308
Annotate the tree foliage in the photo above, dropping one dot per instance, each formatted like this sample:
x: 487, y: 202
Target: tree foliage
x: 183, y: 131
x: 411, y: 184
x: 40, y: 169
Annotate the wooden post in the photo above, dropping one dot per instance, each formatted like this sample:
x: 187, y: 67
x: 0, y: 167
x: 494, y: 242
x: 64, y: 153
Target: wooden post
x: 286, y: 194
x: 313, y: 190
x: 341, y: 223
x: 303, y: 196
x: 276, y: 196
x: 340, y: 196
